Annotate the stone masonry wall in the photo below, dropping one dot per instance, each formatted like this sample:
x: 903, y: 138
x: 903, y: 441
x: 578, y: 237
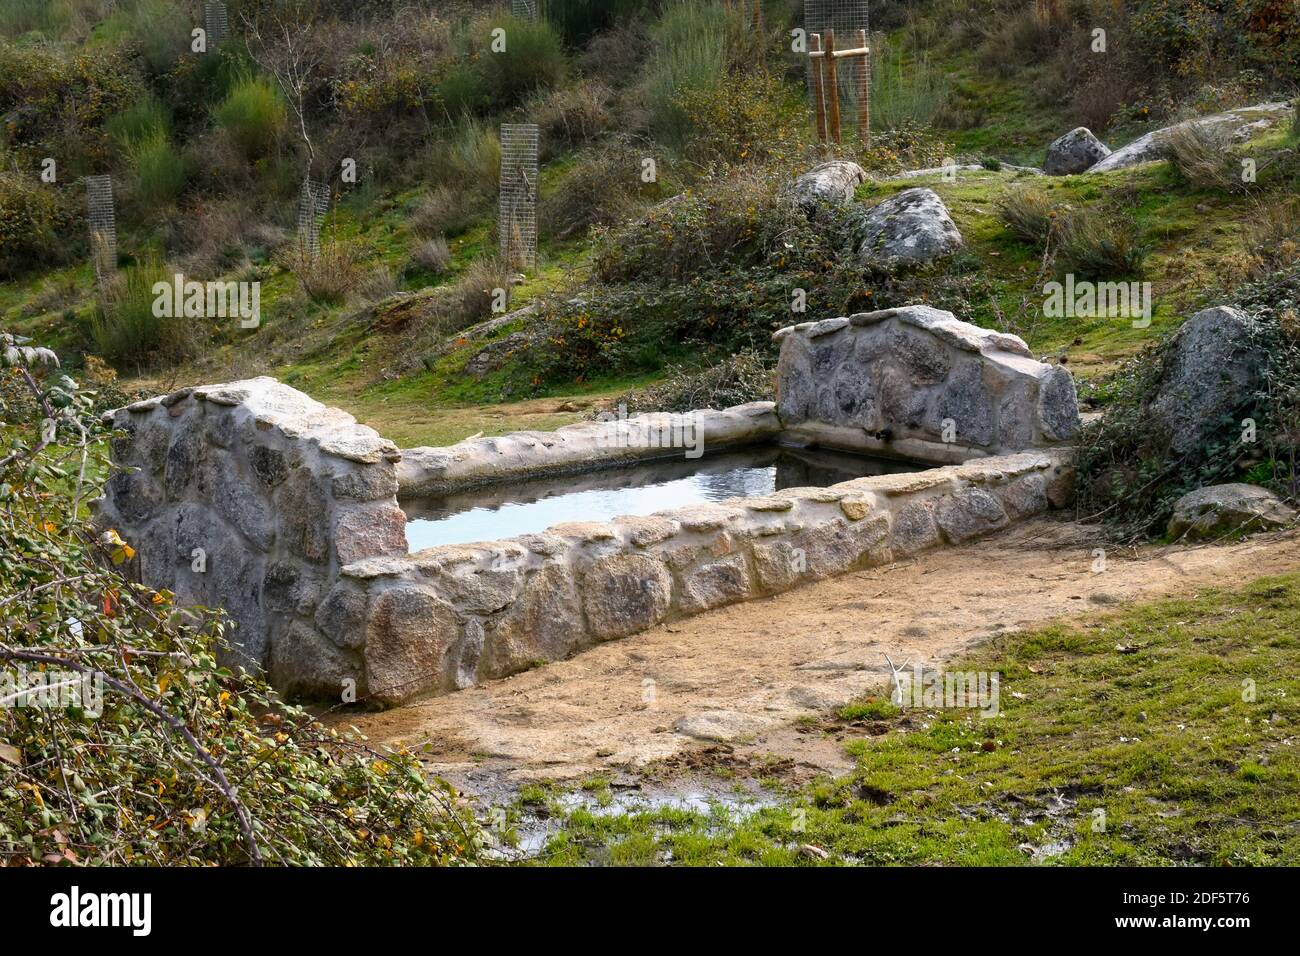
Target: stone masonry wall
x: 251, y: 496
x: 888, y: 381
x: 452, y: 616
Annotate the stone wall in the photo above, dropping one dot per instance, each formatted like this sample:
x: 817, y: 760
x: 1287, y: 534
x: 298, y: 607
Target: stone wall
x: 583, y: 446
x: 452, y: 616
x: 251, y: 497
x: 887, y: 382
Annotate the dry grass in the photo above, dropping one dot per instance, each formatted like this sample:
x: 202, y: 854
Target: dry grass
x: 329, y: 277
x: 1203, y: 156
x: 445, y: 212
x: 431, y: 256
x: 1029, y: 214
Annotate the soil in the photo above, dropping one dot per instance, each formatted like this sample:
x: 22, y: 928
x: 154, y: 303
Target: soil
x: 738, y: 689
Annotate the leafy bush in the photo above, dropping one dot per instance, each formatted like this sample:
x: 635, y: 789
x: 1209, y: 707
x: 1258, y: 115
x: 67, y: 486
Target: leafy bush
x: 571, y: 116
x: 35, y: 221
x: 124, y: 329
x: 159, y: 170
x: 462, y: 91
x: 747, y: 117
x: 1132, y: 482
x: 253, y: 114
x: 189, y: 763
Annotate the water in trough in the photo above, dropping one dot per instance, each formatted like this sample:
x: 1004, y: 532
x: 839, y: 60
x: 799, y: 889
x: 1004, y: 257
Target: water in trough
x: 505, y: 511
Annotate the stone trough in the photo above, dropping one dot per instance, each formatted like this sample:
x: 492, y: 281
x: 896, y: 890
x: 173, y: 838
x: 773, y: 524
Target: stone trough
x: 253, y: 497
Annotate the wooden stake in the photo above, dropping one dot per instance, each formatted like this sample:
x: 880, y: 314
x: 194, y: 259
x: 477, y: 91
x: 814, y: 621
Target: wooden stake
x: 833, y: 86
x: 864, y: 92
x: 819, y: 101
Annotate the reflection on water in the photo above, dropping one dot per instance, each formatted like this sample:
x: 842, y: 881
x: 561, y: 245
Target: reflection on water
x: 505, y: 511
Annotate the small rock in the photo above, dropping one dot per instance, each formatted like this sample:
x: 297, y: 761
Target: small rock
x: 1075, y: 152
x: 1220, y: 510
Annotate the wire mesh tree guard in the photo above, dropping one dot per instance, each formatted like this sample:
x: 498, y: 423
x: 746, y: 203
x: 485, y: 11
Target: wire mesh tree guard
x: 841, y: 81
x: 525, y: 9
x: 313, y: 204
x: 518, y: 209
x: 216, y: 22
x: 101, y: 220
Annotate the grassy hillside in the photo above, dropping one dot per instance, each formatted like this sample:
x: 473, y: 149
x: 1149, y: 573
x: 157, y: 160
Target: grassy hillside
x: 207, y: 152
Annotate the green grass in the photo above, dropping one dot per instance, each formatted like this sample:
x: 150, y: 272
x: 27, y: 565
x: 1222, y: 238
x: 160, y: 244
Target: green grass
x: 1162, y: 754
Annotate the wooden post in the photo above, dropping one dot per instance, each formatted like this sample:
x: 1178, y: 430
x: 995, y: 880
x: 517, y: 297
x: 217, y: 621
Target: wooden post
x: 819, y: 102
x: 864, y: 92
x: 832, y: 86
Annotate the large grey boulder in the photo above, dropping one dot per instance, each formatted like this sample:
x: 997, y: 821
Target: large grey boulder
x: 1075, y: 152
x: 1220, y: 510
x: 918, y: 383
x: 1240, y: 124
x: 832, y: 183
x: 1213, y: 367
x: 908, y: 229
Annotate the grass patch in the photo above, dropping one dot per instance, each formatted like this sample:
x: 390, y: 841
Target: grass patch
x: 1178, y: 750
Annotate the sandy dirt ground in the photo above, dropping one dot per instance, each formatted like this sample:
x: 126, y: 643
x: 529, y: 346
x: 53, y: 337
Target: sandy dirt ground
x: 735, y: 681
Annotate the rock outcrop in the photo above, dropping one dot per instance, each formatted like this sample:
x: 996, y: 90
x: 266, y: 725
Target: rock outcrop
x: 1212, y: 369
x: 1218, y: 511
x: 910, y: 228
x: 1240, y: 124
x: 1075, y: 152
x: 917, y: 383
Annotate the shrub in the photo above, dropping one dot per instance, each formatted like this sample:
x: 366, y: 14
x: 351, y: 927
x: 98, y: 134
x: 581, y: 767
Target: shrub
x: 253, y: 115
x: 445, y: 211
x: 473, y: 296
x: 431, y: 256
x: 690, y: 55
x: 124, y: 329
x: 1132, y: 480
x: 159, y: 170
x: 189, y: 763
x: 744, y: 377
x: 746, y: 118
x: 377, y: 285
x: 462, y: 91
x: 1096, y: 245
x: 35, y: 222
x: 1029, y: 214
x: 18, y: 17
x: 326, y: 278
x: 571, y: 116
x: 533, y: 59
x: 600, y: 188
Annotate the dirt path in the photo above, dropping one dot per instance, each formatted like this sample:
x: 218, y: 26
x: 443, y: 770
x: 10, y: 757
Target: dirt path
x: 744, y: 674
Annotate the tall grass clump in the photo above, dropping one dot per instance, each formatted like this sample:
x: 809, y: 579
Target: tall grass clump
x: 470, y: 157
x: 18, y: 17
x: 690, y: 56
x: 1028, y: 214
x: 252, y: 114
x: 1203, y: 157
x: 124, y: 329
x: 1095, y: 245
x: 143, y: 119
x: 905, y: 90
x: 159, y: 170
